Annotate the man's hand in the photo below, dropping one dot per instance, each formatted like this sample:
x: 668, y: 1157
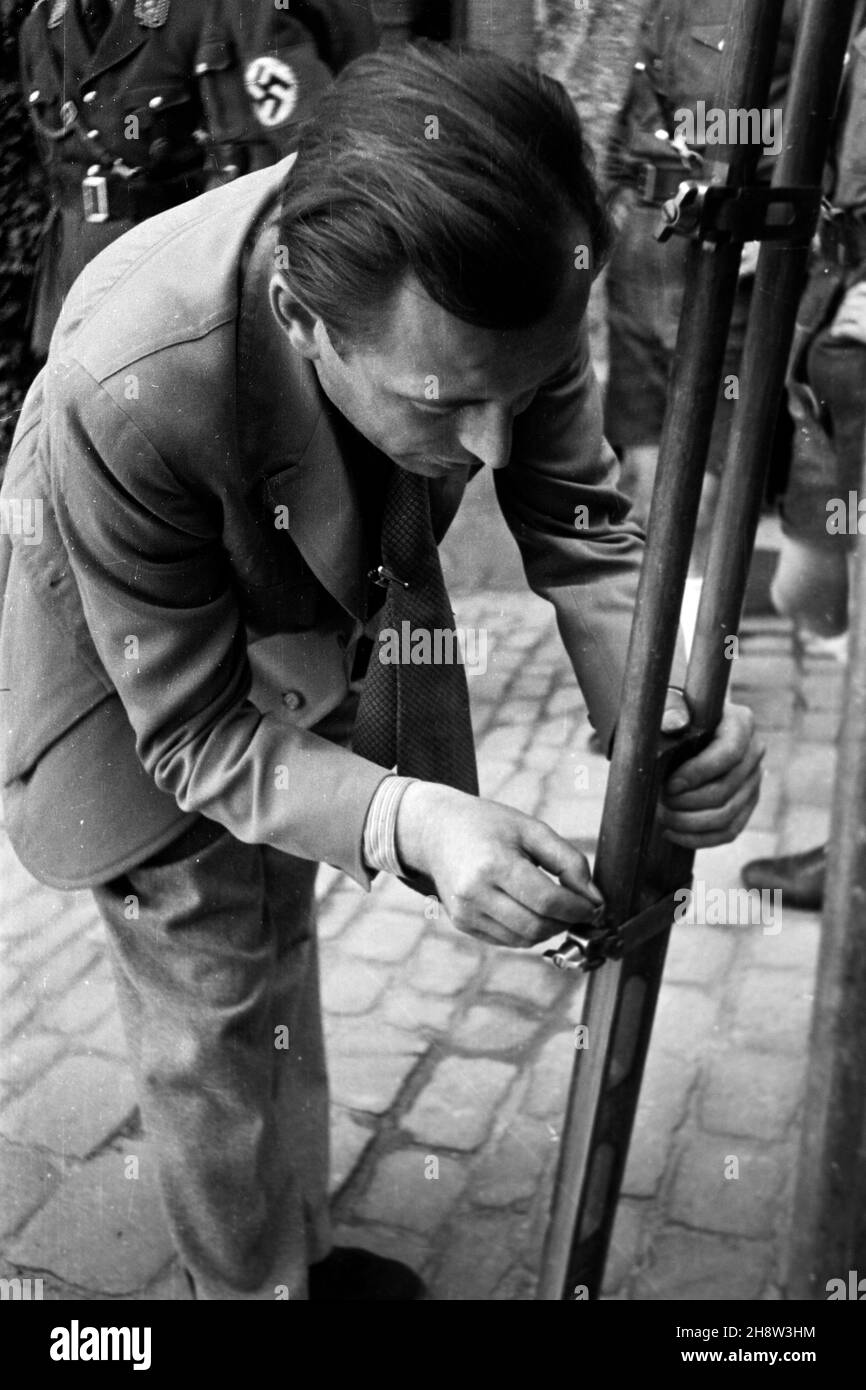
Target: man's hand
x: 491, y: 866
x: 511, y: 880
x: 708, y: 800
x: 850, y: 321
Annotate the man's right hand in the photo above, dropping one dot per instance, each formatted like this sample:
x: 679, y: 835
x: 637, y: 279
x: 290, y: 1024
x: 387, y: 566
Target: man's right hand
x: 491, y: 866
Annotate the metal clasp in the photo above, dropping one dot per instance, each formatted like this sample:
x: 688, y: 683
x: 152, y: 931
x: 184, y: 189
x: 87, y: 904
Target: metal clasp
x: 94, y: 193
x: 382, y: 576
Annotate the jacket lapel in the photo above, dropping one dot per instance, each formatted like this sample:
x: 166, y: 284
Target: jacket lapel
x: 70, y: 45
x: 285, y: 436
x: 121, y: 39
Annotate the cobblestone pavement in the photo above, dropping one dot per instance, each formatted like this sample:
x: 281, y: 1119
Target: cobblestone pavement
x: 450, y: 1060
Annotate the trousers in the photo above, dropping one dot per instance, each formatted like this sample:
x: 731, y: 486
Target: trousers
x: 645, y: 286
x: 213, y: 947
x: 827, y: 399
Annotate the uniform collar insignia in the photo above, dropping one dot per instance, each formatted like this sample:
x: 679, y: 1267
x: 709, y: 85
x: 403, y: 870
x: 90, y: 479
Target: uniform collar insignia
x: 151, y: 14
x: 58, y: 12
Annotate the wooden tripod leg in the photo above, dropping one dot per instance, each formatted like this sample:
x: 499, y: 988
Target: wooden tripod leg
x: 620, y: 1009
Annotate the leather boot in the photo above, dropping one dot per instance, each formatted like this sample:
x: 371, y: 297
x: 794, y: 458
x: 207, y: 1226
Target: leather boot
x: 800, y: 877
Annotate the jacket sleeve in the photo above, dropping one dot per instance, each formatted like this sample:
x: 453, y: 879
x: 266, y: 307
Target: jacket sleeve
x: 580, y: 551
x: 157, y: 593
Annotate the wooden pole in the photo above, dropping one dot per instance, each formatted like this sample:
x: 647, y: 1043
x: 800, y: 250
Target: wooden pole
x: 829, y: 1230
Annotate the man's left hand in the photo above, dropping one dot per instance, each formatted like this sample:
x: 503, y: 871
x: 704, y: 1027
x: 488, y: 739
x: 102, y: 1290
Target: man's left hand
x: 709, y: 799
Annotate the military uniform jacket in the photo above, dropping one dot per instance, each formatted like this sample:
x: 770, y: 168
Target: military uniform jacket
x: 203, y: 548
x: 678, y: 62
x: 176, y: 94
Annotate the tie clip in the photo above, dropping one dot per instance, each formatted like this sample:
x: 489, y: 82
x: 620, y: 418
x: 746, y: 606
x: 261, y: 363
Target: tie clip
x: 382, y: 576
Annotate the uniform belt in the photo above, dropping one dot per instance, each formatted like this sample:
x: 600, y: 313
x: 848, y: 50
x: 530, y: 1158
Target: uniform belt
x: 655, y: 183
x: 109, y: 197
x: 843, y: 238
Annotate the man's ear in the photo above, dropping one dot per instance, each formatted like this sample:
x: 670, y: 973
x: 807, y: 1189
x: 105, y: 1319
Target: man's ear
x: 297, y: 322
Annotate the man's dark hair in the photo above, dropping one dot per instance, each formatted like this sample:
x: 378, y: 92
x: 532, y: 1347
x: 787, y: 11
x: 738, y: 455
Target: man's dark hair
x: 458, y: 166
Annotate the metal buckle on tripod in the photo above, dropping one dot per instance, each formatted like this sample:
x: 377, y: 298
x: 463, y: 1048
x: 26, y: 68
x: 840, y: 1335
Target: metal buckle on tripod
x: 94, y: 194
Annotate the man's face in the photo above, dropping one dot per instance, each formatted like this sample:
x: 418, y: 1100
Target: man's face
x: 437, y: 395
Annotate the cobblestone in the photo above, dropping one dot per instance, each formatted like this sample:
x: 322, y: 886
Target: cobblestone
x: 664, y: 1094
x: 85, y: 1004
x: 548, y: 1082
x: 406, y: 1008
x: 413, y: 1189
x: 702, y: 1267
x: 511, y: 1172
x: 751, y: 1096
x: 74, y: 1108
x: 771, y: 1012
x: 698, y: 955
x: 795, y: 948
x: 443, y: 968
x: 26, y: 1180
x: 385, y: 936
x: 54, y: 976
x: 530, y: 980
x: 349, y: 1141
x: 101, y: 1229
x: 479, y: 1256
x: 369, y: 1063
x: 43, y: 940
x: 25, y: 1056
x: 457, y: 1106
x: 489, y: 1028
x: 725, y: 1184
x: 351, y: 988
x: 625, y: 1244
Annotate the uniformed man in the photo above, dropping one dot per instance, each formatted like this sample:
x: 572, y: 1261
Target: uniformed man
x: 139, y: 104
x: 678, y: 63
x: 827, y: 396
x: 285, y: 57
x: 22, y: 211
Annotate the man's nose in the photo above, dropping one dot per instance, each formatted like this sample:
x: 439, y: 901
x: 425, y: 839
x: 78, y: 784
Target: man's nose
x: 485, y: 432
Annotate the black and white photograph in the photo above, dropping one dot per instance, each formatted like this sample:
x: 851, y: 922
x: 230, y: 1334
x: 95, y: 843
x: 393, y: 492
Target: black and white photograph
x: 433, y: 667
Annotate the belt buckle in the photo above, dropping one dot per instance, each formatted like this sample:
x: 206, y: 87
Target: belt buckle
x: 647, y: 181
x: 94, y: 193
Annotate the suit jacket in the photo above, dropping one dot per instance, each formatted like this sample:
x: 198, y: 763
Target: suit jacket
x: 203, y: 553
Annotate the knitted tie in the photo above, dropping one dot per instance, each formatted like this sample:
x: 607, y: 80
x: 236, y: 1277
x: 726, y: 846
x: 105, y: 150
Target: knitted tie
x: 414, y: 713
